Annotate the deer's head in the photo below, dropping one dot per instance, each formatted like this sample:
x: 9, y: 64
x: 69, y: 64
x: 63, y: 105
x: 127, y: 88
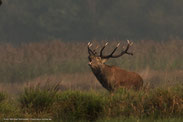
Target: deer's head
x: 97, y: 60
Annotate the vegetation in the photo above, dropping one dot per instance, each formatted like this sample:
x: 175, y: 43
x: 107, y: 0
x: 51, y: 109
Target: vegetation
x: 30, y: 20
x: 2, y: 97
x: 8, y: 107
x: 76, y: 105
x: 29, y: 61
x: 151, y: 104
x: 35, y: 99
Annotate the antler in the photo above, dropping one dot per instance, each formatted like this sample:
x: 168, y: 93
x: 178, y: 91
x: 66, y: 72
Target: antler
x: 116, y: 56
x: 89, y: 50
x: 94, y: 52
x: 103, y: 49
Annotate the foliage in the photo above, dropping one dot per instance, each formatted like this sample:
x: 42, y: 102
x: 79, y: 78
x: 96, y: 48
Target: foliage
x: 8, y: 107
x: 2, y: 96
x: 156, y: 103
x: 25, y: 20
x: 36, y: 99
x: 159, y: 104
x: 75, y: 105
x: 133, y: 119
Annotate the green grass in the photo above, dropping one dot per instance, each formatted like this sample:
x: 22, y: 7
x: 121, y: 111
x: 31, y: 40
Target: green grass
x: 132, y: 119
x: 76, y: 105
x: 156, y: 103
x: 8, y: 107
x: 2, y: 96
x: 35, y: 99
x: 162, y: 104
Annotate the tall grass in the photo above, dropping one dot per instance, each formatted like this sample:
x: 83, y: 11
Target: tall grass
x: 2, y: 96
x: 133, y: 119
x: 161, y: 103
x: 76, y: 105
x: 37, y: 99
x: 8, y: 108
x: 28, y: 61
x: 156, y: 104
x: 123, y: 105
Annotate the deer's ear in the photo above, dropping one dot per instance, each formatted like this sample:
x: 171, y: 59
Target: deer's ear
x: 104, y: 60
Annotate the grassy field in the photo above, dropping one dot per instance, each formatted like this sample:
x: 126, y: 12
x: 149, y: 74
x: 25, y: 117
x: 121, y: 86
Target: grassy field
x: 158, y: 104
x: 53, y: 80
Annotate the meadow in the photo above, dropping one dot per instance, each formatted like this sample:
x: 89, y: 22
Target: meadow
x: 53, y: 80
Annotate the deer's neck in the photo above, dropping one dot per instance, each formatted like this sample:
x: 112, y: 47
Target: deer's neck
x: 100, y: 73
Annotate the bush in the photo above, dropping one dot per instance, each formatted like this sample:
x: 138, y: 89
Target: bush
x: 8, y: 107
x: 156, y: 103
x: 164, y: 103
x: 2, y: 97
x: 75, y: 105
x: 36, y: 99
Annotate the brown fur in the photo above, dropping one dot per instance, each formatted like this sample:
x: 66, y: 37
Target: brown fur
x: 112, y: 77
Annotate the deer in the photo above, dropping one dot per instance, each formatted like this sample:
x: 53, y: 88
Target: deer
x: 113, y: 77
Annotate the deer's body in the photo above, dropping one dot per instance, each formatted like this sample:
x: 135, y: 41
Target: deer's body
x: 113, y: 77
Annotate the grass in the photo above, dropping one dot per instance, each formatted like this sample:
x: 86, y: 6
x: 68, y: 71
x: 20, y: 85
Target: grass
x: 2, y: 96
x: 28, y: 61
x: 159, y: 104
x: 35, y: 99
x: 8, y: 108
x: 132, y: 119
x: 75, y: 105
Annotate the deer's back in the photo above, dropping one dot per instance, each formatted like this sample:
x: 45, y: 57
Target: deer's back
x: 123, y: 78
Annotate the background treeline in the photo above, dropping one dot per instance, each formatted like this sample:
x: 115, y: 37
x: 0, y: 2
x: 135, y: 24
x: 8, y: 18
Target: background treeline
x: 30, y: 20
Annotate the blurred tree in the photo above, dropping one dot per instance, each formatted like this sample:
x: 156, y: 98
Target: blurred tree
x: 90, y: 19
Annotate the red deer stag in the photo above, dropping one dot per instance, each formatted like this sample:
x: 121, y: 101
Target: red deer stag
x: 112, y: 77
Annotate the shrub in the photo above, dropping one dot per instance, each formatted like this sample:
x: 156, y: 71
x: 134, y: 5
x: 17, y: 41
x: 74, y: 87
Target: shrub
x: 8, y: 107
x: 37, y: 99
x: 75, y: 105
x: 155, y: 103
x: 164, y: 103
x: 2, y: 97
